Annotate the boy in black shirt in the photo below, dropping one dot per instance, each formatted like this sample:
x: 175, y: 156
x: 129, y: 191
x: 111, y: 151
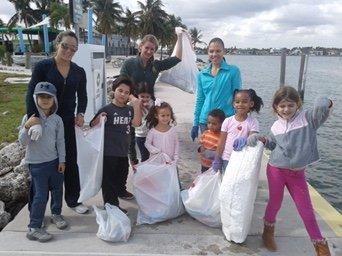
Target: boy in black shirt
x: 120, y: 118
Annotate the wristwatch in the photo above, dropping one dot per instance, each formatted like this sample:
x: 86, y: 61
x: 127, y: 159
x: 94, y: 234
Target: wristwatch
x: 81, y: 114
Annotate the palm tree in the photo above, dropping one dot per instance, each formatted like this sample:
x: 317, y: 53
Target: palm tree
x: 59, y: 15
x: 196, y: 36
x: 108, y: 14
x: 129, y: 26
x: 152, y: 17
x: 24, y: 13
x: 169, y: 37
x: 2, y: 23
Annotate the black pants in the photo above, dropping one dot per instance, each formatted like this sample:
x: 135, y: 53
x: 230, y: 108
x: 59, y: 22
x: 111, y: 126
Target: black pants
x: 115, y: 172
x: 71, y: 177
x: 143, y: 150
x: 132, y: 152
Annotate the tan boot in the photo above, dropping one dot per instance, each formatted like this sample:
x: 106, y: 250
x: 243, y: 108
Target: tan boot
x: 268, y: 238
x: 322, y: 248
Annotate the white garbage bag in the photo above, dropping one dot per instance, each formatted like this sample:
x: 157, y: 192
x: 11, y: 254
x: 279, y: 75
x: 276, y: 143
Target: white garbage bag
x: 156, y: 190
x: 114, y: 225
x: 90, y: 159
x: 202, y: 200
x: 184, y: 74
x: 238, y: 191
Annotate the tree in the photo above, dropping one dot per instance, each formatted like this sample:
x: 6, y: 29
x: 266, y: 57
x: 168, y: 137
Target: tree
x: 152, y: 18
x: 129, y: 26
x: 24, y: 13
x: 169, y: 38
x: 1, y: 23
x: 108, y: 14
x: 196, y: 36
x: 59, y: 15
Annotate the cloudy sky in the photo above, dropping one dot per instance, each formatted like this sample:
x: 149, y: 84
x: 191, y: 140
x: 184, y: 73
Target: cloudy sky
x: 258, y: 23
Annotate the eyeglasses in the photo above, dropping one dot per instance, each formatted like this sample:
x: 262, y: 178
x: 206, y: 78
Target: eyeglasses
x: 66, y: 47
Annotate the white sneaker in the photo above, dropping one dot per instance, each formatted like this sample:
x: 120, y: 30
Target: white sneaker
x: 81, y: 209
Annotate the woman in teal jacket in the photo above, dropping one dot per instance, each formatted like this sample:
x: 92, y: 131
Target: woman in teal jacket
x: 215, y: 86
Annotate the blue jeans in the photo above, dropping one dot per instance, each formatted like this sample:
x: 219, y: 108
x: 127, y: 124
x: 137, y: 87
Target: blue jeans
x: 143, y: 150
x: 44, y: 178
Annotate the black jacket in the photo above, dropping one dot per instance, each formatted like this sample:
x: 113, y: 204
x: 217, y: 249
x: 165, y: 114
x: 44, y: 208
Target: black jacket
x: 67, y: 89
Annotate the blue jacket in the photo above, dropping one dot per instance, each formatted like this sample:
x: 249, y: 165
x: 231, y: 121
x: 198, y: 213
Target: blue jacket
x: 216, y: 91
x: 67, y: 89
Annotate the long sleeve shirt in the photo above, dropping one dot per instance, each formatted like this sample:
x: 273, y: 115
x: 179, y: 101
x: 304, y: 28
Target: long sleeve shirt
x: 216, y: 91
x: 163, y: 142
x: 75, y: 84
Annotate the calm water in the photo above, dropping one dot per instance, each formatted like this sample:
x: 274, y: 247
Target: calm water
x: 324, y: 77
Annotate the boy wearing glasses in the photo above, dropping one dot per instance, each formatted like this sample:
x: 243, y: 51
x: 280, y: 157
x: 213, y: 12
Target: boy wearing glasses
x: 45, y: 157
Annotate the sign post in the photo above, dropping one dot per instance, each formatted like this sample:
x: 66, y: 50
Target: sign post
x: 76, y: 14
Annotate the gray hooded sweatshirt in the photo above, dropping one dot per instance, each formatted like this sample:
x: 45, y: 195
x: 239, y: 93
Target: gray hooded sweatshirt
x: 51, y: 144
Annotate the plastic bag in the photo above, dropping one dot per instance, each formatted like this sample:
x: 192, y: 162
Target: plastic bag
x: 156, y: 189
x: 202, y: 200
x: 114, y: 225
x: 238, y: 191
x: 184, y: 74
x: 90, y: 159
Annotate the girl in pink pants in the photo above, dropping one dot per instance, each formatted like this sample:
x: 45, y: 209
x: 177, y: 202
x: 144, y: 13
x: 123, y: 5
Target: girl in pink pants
x: 294, y: 146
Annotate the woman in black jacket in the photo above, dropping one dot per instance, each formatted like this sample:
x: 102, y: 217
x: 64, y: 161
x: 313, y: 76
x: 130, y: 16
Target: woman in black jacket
x: 70, y: 81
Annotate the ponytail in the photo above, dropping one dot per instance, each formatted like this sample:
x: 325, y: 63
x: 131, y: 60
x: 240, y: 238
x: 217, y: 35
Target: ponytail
x: 258, y: 103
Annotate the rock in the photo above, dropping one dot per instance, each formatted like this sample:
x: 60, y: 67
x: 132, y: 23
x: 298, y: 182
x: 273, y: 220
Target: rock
x: 5, y: 217
x: 14, y: 185
x: 11, y: 155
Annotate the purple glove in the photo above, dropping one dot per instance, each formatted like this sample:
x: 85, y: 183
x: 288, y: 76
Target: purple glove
x: 217, y: 163
x: 239, y: 143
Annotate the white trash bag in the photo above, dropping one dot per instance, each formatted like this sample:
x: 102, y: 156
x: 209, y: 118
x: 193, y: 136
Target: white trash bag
x: 90, y: 159
x: 114, y: 225
x: 156, y: 190
x: 184, y: 74
x: 202, y: 200
x: 238, y: 191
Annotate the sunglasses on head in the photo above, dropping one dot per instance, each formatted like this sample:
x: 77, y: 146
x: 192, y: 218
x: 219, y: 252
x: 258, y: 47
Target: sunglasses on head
x: 66, y: 47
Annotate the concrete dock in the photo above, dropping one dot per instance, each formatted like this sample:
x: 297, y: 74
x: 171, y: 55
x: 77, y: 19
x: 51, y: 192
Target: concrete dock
x: 183, y: 235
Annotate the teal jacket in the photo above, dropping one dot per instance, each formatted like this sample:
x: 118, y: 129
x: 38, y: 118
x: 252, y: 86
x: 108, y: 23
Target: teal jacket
x: 216, y: 91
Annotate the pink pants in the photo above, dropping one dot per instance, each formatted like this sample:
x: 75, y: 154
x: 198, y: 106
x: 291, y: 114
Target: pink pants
x: 296, y: 184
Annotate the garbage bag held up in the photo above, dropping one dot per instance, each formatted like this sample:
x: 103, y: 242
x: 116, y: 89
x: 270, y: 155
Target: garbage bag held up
x: 114, y: 225
x: 238, y: 191
x: 201, y: 201
x: 90, y: 159
x: 156, y: 189
x: 184, y: 74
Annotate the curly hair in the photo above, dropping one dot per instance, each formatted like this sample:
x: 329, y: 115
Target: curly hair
x: 151, y: 118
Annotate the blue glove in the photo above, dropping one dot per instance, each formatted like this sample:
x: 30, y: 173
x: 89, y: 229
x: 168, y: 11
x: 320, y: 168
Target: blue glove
x: 209, y: 154
x: 217, y: 163
x: 194, y: 132
x: 239, y: 143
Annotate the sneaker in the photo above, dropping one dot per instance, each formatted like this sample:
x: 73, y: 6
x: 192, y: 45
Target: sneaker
x: 38, y: 234
x: 126, y: 196
x: 81, y: 209
x: 59, y: 221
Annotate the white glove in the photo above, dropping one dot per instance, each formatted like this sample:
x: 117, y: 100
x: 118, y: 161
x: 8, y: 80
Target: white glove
x: 35, y: 132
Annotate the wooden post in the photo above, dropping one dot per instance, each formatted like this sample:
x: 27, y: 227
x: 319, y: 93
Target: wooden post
x: 282, y: 67
x: 305, y: 70
x: 301, y: 73
x: 27, y: 60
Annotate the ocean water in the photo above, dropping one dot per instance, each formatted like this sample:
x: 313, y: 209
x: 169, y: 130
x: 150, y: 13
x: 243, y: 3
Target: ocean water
x: 324, y: 78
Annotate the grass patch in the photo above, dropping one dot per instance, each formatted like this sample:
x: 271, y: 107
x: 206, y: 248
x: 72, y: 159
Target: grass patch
x: 12, y: 100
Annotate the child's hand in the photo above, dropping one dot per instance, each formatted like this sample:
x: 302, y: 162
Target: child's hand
x: 96, y: 121
x: 61, y: 167
x: 33, y: 120
x: 136, y: 102
x: 239, y: 143
x: 253, y: 139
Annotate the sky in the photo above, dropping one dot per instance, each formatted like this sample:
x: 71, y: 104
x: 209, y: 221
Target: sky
x: 248, y: 24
